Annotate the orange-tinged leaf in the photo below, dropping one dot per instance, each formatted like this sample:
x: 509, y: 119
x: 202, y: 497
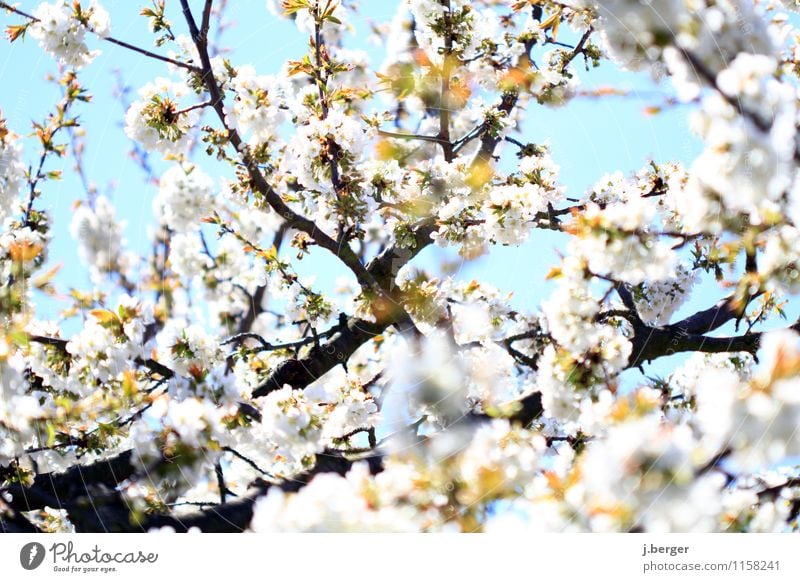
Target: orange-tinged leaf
x: 472, y: 286
x: 269, y: 255
x: 15, y: 31
x: 551, y: 21
x: 130, y: 384
x: 45, y: 278
x: 458, y: 95
x: 103, y: 315
x: 553, y: 481
x: 24, y: 251
x: 514, y: 79
x: 601, y: 91
x: 553, y: 273
x: 554, y: 31
x: 421, y: 58
x: 387, y: 150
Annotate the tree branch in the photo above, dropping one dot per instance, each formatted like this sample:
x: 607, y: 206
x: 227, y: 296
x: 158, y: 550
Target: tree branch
x: 444, y: 96
x: 300, y: 372
x: 60, y: 490
x: 710, y: 319
x: 343, y: 251
x: 93, y: 508
x: 650, y: 343
x: 410, y: 136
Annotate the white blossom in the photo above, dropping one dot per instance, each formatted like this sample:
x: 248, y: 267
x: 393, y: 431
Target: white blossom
x: 61, y: 27
x: 258, y: 106
x: 157, y: 120
x: 99, y: 236
x: 330, y: 503
x: 188, y: 350
x: 185, y: 195
x: 12, y: 170
x: 657, y: 301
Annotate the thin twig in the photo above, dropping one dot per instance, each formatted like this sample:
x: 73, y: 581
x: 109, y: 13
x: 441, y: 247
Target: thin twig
x: 410, y: 136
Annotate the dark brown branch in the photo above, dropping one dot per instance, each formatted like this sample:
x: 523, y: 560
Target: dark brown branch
x: 650, y: 343
x: 206, y: 21
x: 343, y: 251
x: 235, y: 516
x: 49, y: 341
x: 488, y: 141
x: 247, y: 460
x: 627, y: 297
x: 300, y: 372
x: 60, y: 490
x: 579, y: 48
x: 13, y: 522
x: 710, y: 319
x: 93, y: 509
x: 714, y: 462
x: 444, y: 96
x: 774, y: 491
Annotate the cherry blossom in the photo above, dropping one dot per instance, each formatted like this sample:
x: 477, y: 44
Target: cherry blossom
x: 312, y: 338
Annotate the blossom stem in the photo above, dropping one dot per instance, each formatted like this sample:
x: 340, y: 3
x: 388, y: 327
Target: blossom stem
x: 193, y: 107
x: 411, y: 136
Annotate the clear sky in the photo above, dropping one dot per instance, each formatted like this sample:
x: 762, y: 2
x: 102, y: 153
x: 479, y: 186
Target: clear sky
x: 588, y: 138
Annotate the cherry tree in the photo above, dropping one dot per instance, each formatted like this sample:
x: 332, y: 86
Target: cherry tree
x: 209, y: 385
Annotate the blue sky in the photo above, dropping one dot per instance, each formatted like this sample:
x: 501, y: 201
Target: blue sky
x: 588, y: 138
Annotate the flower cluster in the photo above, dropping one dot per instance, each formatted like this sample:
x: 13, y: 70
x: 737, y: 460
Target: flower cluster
x: 657, y: 301
x: 156, y: 120
x: 427, y: 380
x: 335, y: 140
x: 18, y: 409
x: 330, y: 503
x: 585, y: 354
x: 637, y: 34
x: 258, y: 108
x: 61, y: 28
x: 12, y: 170
x: 616, y: 240
x: 188, y: 350
x: 177, y: 442
x: 100, y: 237
x: 757, y: 418
x: 347, y: 406
x: 187, y: 256
x: 185, y: 195
x: 388, y: 390
x: 405, y: 497
x: 740, y: 157
x: 110, y: 340
x: 292, y: 426
x: 295, y: 425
